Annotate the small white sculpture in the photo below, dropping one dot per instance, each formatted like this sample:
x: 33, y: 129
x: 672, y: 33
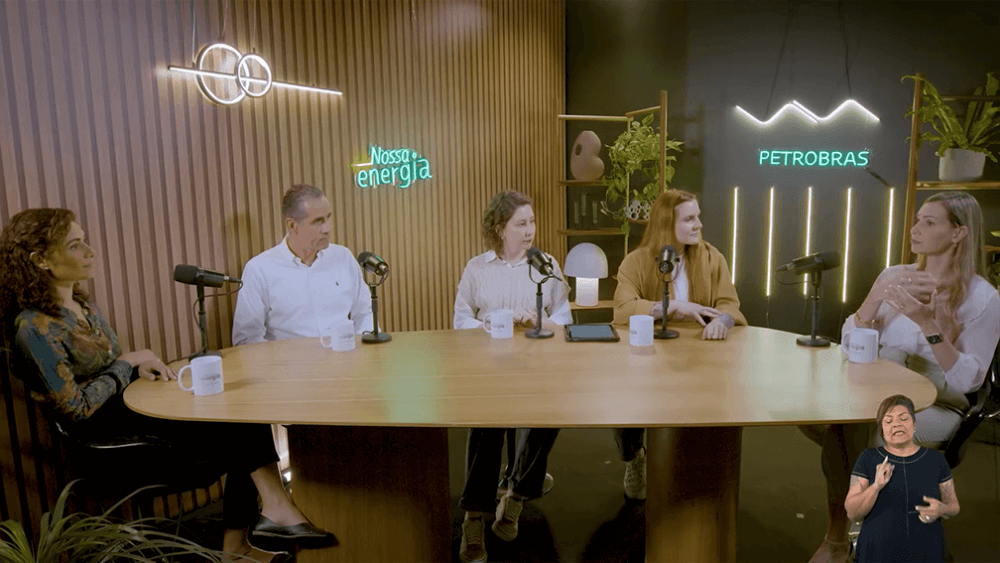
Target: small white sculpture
x: 637, y: 210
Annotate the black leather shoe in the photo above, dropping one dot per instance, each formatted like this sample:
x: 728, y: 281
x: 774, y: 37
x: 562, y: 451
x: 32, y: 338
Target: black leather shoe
x: 265, y: 528
x: 282, y: 557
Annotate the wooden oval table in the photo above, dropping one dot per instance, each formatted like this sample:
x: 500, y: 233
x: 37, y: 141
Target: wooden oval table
x: 369, y: 448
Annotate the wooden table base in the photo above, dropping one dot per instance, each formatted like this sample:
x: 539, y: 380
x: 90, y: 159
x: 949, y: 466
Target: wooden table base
x: 692, y: 494
x: 383, y: 491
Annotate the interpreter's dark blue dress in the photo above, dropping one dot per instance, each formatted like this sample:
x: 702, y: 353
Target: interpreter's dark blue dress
x: 892, y: 532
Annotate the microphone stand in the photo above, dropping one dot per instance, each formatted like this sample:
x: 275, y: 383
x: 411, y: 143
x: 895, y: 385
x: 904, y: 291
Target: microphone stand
x: 813, y: 340
x: 538, y: 331
x: 665, y: 333
x: 203, y: 325
x: 375, y: 337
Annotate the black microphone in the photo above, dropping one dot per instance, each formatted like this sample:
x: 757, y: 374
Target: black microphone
x: 541, y: 262
x: 667, y: 259
x: 193, y: 275
x: 373, y: 263
x: 814, y: 262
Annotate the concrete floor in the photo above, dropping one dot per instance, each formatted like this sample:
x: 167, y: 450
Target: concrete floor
x: 782, y: 513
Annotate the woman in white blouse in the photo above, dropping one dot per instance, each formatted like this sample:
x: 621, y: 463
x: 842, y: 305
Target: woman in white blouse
x: 498, y: 279
x: 939, y: 317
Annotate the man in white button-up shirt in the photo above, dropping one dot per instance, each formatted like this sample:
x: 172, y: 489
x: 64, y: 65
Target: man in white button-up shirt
x: 300, y: 287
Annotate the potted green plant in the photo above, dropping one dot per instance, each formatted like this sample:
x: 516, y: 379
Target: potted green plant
x: 79, y: 537
x: 963, y: 144
x: 636, y: 150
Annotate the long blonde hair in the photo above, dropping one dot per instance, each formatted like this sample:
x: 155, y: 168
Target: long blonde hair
x: 660, y: 232
x: 968, y: 260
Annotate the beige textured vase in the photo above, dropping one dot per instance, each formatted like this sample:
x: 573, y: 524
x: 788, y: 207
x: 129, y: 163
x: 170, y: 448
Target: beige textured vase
x: 584, y: 161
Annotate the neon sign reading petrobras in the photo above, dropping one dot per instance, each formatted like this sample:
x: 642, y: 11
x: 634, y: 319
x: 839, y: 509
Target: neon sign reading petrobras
x: 776, y: 157
x: 394, y: 167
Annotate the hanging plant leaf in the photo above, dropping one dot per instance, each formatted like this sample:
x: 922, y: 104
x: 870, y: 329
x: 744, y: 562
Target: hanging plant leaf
x: 636, y: 151
x: 979, y: 130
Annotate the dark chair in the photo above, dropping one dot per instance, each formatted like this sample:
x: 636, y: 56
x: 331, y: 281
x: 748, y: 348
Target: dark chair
x: 985, y: 404
x: 111, y: 467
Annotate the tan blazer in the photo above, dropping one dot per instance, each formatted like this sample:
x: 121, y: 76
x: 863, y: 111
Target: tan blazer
x: 640, y: 283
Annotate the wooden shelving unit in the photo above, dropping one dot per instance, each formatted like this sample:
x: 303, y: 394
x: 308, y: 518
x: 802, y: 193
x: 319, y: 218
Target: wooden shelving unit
x: 912, y: 184
x: 629, y: 116
x: 606, y: 232
x: 953, y: 186
x: 581, y: 183
x: 602, y: 304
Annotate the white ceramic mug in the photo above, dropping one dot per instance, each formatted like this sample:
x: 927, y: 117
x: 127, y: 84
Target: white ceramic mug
x: 862, y: 346
x: 339, y: 337
x: 499, y: 323
x: 206, y: 375
x: 640, y: 330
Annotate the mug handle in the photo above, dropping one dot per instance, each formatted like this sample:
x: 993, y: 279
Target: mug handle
x: 486, y: 323
x: 326, y: 340
x: 180, y: 377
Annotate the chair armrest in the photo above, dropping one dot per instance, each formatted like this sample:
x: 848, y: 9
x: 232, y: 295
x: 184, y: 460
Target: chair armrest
x: 110, y: 443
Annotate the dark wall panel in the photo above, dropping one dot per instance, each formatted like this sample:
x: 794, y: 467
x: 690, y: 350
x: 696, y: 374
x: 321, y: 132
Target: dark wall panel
x: 714, y: 56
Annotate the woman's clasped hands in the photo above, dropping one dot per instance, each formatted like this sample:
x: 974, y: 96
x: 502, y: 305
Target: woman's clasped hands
x: 708, y: 317
x: 526, y: 317
x: 917, y: 283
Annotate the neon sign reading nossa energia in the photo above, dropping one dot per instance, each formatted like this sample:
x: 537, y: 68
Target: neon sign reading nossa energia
x: 812, y: 158
x: 396, y: 167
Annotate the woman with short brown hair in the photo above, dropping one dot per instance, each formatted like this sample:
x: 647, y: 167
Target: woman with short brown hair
x: 892, y: 530
x: 501, y: 278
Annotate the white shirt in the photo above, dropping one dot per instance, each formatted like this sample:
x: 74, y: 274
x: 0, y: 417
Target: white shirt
x: 282, y: 298
x: 902, y: 341
x: 490, y: 283
x: 680, y: 282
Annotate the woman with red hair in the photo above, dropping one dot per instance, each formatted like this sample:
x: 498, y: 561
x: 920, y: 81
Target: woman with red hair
x: 700, y: 291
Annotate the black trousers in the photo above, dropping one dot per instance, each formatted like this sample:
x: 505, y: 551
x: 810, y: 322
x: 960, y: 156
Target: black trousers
x: 235, y: 449
x: 482, y: 465
x: 630, y: 441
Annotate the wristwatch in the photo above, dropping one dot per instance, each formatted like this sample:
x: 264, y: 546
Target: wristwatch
x: 934, y: 338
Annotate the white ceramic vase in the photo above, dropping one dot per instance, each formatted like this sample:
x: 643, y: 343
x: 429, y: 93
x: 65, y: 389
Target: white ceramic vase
x: 584, y: 160
x: 960, y: 165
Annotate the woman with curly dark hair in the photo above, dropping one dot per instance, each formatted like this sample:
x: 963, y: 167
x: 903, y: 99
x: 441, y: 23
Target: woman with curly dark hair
x: 499, y: 279
x: 73, y: 365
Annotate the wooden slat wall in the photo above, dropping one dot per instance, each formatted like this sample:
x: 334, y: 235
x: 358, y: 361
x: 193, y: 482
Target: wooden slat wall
x: 91, y: 120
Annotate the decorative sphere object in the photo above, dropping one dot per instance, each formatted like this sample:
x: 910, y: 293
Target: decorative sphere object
x: 584, y: 160
x: 633, y: 211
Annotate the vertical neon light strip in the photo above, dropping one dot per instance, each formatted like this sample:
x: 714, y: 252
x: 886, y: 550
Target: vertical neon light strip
x: 770, y: 239
x: 809, y: 212
x: 736, y: 209
x: 847, y: 246
x: 888, y: 228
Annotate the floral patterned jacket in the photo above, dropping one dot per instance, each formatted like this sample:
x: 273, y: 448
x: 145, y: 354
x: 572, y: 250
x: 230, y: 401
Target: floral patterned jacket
x: 69, y: 366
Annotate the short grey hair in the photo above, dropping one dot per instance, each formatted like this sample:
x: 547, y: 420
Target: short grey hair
x: 291, y: 202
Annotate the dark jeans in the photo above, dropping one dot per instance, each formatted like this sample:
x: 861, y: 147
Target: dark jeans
x: 237, y: 449
x: 842, y: 445
x: 482, y: 465
x: 630, y: 441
